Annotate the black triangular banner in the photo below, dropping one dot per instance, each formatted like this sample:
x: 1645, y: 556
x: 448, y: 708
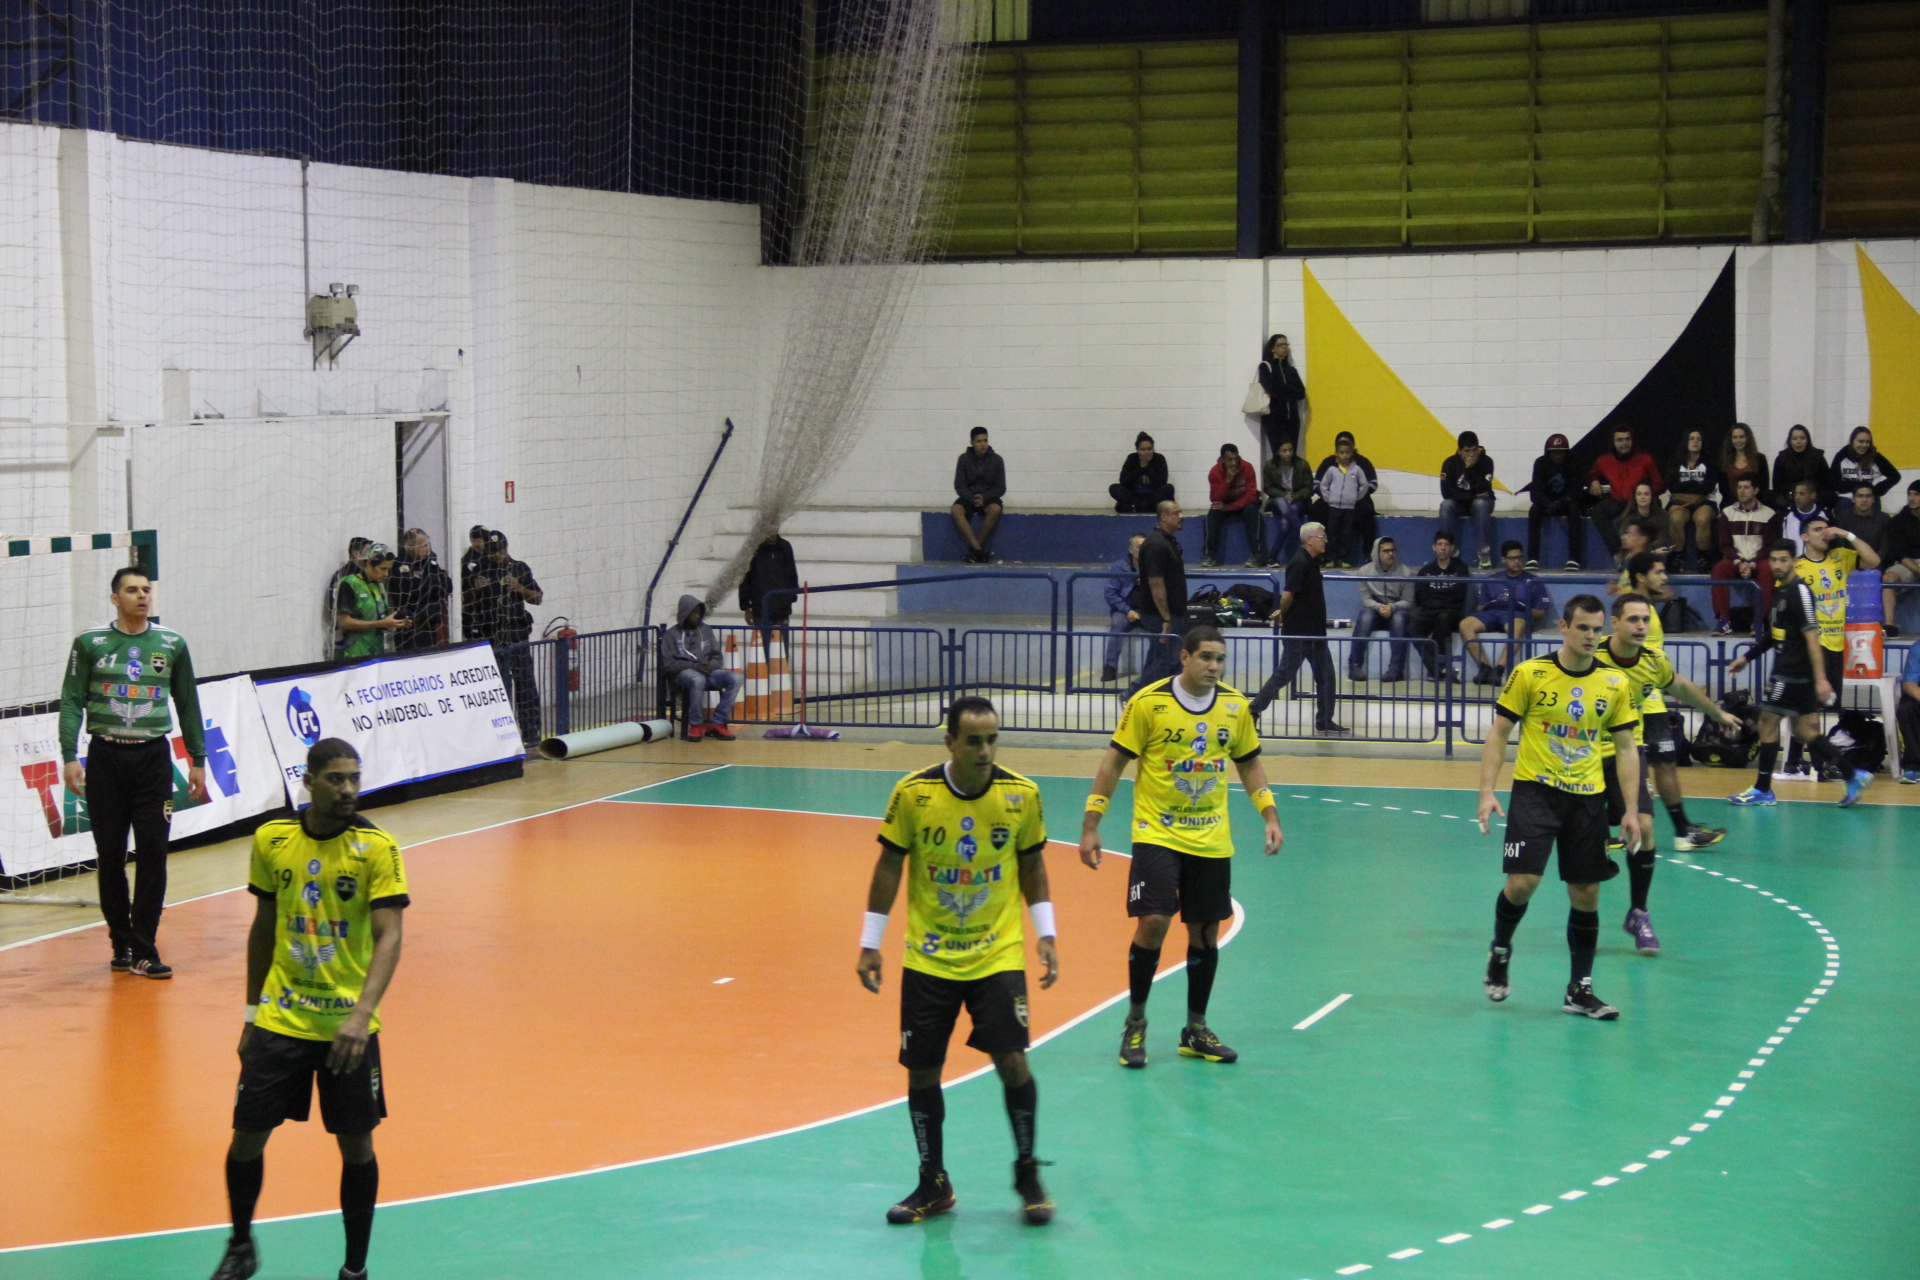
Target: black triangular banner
x: 1690, y: 387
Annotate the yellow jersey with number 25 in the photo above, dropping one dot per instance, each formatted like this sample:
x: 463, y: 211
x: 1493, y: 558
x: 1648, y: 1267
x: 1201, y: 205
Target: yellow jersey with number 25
x: 1180, y: 784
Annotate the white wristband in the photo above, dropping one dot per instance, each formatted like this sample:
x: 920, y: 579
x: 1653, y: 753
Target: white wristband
x: 1043, y: 919
x: 252, y: 1009
x: 872, y: 930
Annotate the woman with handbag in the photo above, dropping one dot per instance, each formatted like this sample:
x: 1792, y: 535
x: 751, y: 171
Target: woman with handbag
x: 1278, y: 397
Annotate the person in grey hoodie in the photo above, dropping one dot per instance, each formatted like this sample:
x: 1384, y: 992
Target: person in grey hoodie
x: 1384, y: 606
x: 690, y: 656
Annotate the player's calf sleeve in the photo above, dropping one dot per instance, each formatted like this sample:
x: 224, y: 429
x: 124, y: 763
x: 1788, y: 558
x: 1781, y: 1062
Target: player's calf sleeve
x: 1768, y: 757
x: 1022, y: 1101
x: 927, y: 1109
x: 359, y: 1188
x: 1640, y: 864
x: 1142, y: 964
x: 1583, y: 936
x: 1202, y: 964
x: 243, y: 1192
x: 1507, y: 916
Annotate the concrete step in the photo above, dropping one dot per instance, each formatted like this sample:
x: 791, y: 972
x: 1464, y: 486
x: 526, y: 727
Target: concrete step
x: 897, y: 522
x: 810, y: 549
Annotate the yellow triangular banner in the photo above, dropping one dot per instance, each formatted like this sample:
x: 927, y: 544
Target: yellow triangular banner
x: 1352, y: 389
x: 1893, y: 354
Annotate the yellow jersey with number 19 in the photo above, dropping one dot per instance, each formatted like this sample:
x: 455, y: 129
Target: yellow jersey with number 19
x: 1180, y: 785
x: 1649, y: 672
x: 1563, y: 717
x: 324, y: 894
x: 963, y: 871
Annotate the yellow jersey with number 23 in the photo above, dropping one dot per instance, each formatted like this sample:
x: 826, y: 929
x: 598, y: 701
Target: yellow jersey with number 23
x: 1563, y: 717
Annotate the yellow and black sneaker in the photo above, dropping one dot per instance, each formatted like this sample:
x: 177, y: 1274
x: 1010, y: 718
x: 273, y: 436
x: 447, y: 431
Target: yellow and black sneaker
x: 1035, y: 1203
x: 933, y: 1196
x: 1200, y: 1042
x: 1133, y: 1044
x: 1616, y: 844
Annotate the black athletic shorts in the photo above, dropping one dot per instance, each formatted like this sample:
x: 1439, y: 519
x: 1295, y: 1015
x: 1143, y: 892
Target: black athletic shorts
x: 1616, y: 800
x: 277, y: 1075
x: 1540, y: 815
x: 1658, y: 730
x: 930, y: 1007
x: 1164, y: 881
x: 1789, y: 698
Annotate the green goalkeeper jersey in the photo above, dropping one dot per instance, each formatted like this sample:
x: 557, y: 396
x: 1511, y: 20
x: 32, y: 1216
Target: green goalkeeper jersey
x: 121, y: 682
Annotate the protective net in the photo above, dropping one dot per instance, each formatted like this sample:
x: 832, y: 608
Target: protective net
x: 891, y: 92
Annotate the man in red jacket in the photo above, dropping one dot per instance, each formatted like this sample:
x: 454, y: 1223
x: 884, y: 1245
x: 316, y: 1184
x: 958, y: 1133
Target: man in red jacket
x: 1746, y: 529
x: 1611, y: 482
x: 1234, y: 491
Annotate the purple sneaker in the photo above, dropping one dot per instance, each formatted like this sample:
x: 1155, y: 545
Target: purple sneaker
x: 1640, y: 925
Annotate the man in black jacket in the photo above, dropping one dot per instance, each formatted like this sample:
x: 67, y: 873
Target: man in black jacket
x: 1160, y: 597
x: 1143, y: 480
x: 771, y: 568
x: 1302, y: 616
x: 1901, y: 559
x: 1439, y: 602
x: 1556, y: 492
x: 979, y: 482
x: 418, y: 591
x: 1466, y: 488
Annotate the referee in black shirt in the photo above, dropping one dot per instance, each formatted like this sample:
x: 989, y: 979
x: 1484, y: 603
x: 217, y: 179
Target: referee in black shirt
x: 1302, y: 616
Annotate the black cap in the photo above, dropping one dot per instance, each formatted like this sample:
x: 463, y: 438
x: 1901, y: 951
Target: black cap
x: 495, y: 538
x: 478, y: 531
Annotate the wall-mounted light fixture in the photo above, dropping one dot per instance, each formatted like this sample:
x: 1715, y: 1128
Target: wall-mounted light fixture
x: 333, y: 320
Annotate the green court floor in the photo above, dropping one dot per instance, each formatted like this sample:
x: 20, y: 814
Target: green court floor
x: 1753, y: 1114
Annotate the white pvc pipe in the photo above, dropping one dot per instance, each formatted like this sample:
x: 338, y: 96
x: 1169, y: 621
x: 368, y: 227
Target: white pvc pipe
x: 605, y: 738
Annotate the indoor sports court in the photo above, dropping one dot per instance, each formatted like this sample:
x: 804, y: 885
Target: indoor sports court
x: 527, y: 530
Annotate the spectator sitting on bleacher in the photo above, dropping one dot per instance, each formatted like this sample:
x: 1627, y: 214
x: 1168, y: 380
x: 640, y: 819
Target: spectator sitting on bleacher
x: 1647, y: 508
x: 1556, y: 493
x: 1289, y: 488
x: 1233, y: 493
x: 1143, y: 480
x: 1691, y: 480
x: 1743, y: 532
x: 1121, y: 615
x: 1902, y: 558
x: 1805, y: 510
x: 1344, y: 483
x: 1800, y: 461
x: 1859, y: 513
x: 1512, y: 603
x: 979, y: 483
x: 771, y: 569
x: 691, y: 657
x: 1466, y: 488
x: 1611, y: 481
x: 1384, y: 606
x: 1439, y: 603
x: 1860, y: 463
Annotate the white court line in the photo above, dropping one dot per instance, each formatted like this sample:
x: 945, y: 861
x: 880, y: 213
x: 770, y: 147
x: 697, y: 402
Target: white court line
x: 1322, y: 1011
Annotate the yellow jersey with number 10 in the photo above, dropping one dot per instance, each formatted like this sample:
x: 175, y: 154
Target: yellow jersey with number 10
x: 1180, y: 784
x: 1563, y: 717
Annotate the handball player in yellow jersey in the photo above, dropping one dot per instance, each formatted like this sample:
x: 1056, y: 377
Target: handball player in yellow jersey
x: 968, y: 838
x: 1181, y: 732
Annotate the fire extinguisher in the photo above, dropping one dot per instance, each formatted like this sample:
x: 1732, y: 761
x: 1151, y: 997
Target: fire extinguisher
x: 562, y: 629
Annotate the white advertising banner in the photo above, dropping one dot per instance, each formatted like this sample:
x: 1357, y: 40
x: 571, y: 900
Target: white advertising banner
x: 47, y: 826
x: 412, y: 716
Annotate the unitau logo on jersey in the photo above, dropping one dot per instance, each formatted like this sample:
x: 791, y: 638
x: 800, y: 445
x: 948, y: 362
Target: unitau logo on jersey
x: 302, y: 720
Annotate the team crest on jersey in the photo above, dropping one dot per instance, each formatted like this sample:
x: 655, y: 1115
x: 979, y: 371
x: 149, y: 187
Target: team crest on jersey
x: 1200, y: 738
x: 311, y: 894
x: 1600, y: 707
x: 1223, y: 733
x: 999, y: 837
x: 344, y: 887
x: 1020, y: 1009
x: 966, y: 846
x: 159, y: 664
x: 1575, y: 707
x: 133, y: 665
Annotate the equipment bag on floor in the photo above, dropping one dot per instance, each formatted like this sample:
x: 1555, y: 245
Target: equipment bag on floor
x: 1860, y: 739
x: 1716, y: 744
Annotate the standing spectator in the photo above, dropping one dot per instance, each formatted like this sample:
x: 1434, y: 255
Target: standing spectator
x: 1384, y: 606
x: 1286, y: 395
x: 1805, y: 510
x: 1121, y: 614
x: 1345, y: 483
x: 1740, y: 456
x: 1745, y: 530
x: 771, y: 569
x: 1644, y: 507
x: 1860, y: 463
x: 1691, y: 481
x: 502, y: 589
x: 1233, y: 493
x: 118, y: 681
x: 419, y: 590
x: 1611, y: 482
x: 1556, y: 493
x: 360, y: 611
x: 1908, y: 716
x: 1439, y: 603
x: 979, y: 483
x: 1859, y: 513
x: 1512, y: 604
x: 1289, y: 487
x: 1800, y: 461
x: 690, y: 656
x: 1466, y: 488
x: 1902, y: 558
x: 470, y: 561
x: 1159, y: 598
x: 1302, y: 616
x: 1143, y: 480
x: 356, y: 560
